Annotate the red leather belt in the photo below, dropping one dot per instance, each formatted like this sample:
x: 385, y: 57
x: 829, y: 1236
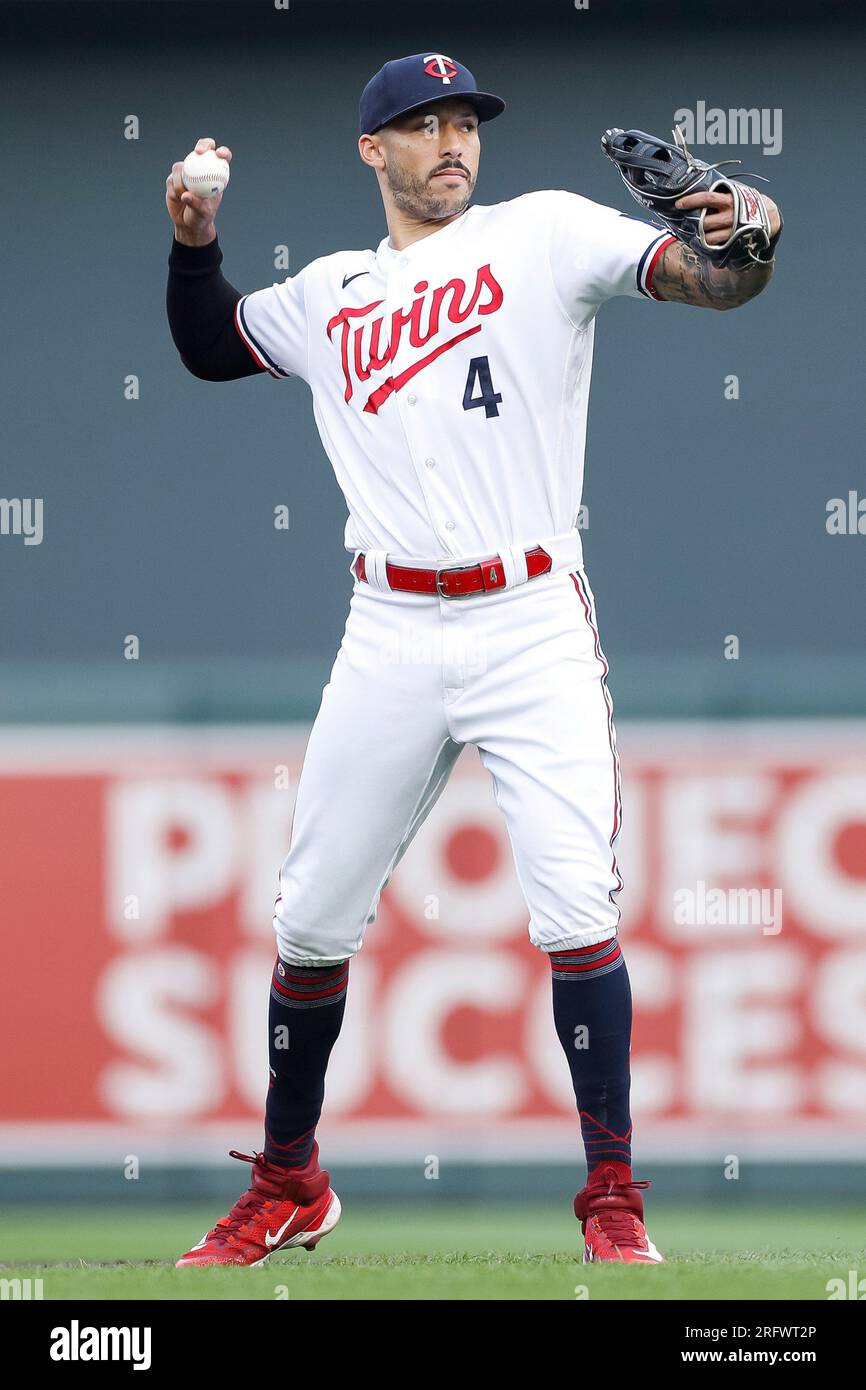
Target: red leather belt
x: 457, y: 581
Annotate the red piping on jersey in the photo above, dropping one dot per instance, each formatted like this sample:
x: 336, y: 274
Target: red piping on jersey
x: 259, y: 361
x: 652, y: 266
x: 617, y: 802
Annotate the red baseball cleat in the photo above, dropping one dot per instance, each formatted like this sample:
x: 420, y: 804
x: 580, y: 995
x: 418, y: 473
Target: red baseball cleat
x: 284, y: 1208
x: 610, y: 1210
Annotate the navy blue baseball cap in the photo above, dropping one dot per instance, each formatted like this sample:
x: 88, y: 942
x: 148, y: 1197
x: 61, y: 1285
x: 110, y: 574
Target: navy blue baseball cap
x: 407, y: 83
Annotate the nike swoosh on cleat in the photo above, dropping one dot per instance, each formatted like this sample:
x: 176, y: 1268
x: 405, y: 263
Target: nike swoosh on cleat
x: 347, y: 279
x: 272, y: 1240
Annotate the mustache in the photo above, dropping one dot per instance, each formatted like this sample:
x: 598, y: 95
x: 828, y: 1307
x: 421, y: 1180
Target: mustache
x: 452, y: 164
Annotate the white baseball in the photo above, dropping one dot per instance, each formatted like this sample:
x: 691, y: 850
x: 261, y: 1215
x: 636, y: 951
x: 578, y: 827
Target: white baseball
x: 205, y: 174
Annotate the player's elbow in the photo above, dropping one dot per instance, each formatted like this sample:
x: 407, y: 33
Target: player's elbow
x: 733, y: 297
x: 748, y: 285
x: 202, y: 369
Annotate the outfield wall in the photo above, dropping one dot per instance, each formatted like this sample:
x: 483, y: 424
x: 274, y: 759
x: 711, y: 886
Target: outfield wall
x: 139, y: 875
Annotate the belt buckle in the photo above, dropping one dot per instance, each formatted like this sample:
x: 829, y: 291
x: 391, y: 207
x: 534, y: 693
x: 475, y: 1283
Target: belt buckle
x: 452, y: 569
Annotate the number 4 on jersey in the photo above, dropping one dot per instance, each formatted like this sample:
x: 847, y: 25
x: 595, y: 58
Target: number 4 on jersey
x: 479, y: 371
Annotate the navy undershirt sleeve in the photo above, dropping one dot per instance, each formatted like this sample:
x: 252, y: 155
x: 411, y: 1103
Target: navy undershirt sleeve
x: 201, y: 309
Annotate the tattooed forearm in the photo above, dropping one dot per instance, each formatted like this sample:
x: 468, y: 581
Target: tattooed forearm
x: 688, y: 278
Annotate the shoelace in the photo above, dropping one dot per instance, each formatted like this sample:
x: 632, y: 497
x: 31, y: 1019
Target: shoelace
x: 613, y: 1183
x: 618, y: 1223
x: 232, y: 1225
x: 618, y: 1226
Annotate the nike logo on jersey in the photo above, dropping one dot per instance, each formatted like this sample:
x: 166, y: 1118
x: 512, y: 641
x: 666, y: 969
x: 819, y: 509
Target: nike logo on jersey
x: 347, y: 279
x: 274, y: 1240
x: 362, y: 351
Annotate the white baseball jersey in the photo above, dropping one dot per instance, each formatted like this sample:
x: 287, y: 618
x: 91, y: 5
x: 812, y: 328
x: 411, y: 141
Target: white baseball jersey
x: 450, y: 380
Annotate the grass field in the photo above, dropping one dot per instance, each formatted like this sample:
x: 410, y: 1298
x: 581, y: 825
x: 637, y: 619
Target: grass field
x: 452, y: 1252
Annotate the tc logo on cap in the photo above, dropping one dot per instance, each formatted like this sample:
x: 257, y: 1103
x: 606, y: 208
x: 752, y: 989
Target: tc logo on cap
x: 437, y: 65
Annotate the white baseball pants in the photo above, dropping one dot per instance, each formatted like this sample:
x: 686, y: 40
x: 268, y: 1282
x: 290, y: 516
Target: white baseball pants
x: 520, y: 674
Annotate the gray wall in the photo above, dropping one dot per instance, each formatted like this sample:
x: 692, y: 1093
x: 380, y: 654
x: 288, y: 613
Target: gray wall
x: 706, y: 516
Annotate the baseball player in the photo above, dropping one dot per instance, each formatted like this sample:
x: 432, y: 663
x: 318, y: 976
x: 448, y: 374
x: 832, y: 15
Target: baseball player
x: 450, y: 372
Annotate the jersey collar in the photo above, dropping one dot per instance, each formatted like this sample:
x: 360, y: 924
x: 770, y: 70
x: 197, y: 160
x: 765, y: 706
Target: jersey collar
x: 386, y: 253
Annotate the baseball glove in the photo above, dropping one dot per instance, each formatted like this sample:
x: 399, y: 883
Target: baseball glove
x: 657, y: 174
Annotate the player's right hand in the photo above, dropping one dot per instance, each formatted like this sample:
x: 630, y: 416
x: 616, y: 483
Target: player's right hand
x: 193, y: 217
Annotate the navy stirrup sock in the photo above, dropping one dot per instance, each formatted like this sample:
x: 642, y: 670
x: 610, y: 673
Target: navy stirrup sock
x: 304, y: 1019
x: 592, y: 1012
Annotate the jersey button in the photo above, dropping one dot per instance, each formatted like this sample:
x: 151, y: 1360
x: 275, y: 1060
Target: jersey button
x: 403, y: 261
x: 411, y: 398
x: 449, y: 526
x: 430, y: 463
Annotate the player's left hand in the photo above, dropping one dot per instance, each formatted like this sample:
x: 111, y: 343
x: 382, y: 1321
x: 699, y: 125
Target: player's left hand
x: 719, y: 223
